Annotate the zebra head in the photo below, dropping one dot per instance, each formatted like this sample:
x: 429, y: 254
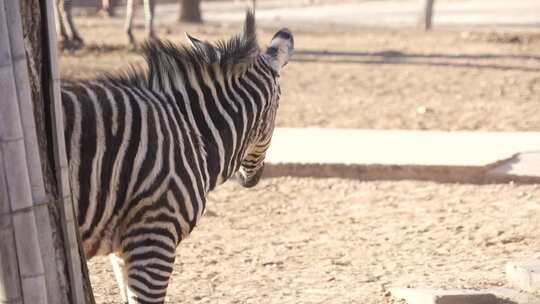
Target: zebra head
x: 277, y: 55
x: 262, y: 71
x: 237, y: 75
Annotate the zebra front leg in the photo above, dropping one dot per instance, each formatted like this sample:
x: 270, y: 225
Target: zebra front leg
x: 130, y: 8
x: 120, y: 272
x: 149, y: 9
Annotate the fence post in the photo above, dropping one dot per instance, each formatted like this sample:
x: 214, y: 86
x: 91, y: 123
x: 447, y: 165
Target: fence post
x: 34, y: 248
x: 426, y: 17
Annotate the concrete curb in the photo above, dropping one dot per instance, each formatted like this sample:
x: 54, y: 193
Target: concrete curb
x: 440, y: 174
x: 495, y: 295
x: 455, y: 157
x: 524, y: 275
x: 438, y: 296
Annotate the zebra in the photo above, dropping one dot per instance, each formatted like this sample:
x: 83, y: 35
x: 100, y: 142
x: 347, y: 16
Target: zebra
x: 70, y: 37
x: 146, y: 145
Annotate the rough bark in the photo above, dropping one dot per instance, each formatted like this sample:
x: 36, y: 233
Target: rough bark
x: 190, y: 11
x: 36, y: 43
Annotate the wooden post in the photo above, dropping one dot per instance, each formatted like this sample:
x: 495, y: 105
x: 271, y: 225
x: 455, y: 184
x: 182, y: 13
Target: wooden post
x: 23, y: 275
x: 34, y: 250
x: 80, y: 288
x: 426, y: 17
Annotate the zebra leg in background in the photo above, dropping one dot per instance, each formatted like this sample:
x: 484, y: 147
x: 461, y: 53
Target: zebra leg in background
x: 69, y: 18
x: 149, y: 8
x: 107, y: 8
x: 120, y: 273
x: 60, y: 27
x: 130, y: 8
x: 69, y: 36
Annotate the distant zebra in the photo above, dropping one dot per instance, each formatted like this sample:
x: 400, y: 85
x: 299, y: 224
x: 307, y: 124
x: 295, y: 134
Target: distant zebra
x: 146, y: 146
x: 70, y: 37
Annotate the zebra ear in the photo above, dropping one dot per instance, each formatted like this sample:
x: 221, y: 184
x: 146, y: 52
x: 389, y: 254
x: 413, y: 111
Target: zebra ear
x: 281, y: 48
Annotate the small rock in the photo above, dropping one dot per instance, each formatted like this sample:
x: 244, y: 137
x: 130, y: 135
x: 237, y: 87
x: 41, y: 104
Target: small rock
x: 422, y: 110
x: 210, y: 213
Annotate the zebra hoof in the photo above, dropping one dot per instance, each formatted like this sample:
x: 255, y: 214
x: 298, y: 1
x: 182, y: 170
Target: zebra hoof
x: 78, y: 41
x: 70, y: 45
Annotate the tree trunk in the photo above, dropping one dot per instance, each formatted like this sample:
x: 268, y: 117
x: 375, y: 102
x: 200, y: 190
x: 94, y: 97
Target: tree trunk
x: 190, y: 11
x: 40, y: 260
x: 427, y: 15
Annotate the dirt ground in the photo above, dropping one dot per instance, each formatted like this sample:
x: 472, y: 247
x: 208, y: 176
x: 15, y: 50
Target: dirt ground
x: 293, y: 240
x: 339, y: 241
x: 379, y: 78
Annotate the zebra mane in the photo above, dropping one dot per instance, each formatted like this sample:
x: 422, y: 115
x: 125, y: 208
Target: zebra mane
x: 168, y: 64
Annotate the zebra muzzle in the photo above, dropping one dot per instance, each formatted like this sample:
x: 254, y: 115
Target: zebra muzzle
x: 249, y: 180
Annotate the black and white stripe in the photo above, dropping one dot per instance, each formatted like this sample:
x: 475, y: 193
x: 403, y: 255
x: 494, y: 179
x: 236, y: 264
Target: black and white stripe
x: 145, y: 147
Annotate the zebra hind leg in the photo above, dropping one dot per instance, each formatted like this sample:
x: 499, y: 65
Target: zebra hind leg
x: 149, y: 263
x: 120, y: 273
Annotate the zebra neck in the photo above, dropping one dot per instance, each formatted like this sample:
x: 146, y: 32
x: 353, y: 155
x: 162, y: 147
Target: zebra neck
x: 228, y: 112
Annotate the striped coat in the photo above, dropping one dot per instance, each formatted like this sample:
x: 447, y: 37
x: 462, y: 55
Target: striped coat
x: 146, y: 146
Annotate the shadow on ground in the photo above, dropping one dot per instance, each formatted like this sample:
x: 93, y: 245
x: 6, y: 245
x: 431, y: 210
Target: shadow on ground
x: 429, y: 59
